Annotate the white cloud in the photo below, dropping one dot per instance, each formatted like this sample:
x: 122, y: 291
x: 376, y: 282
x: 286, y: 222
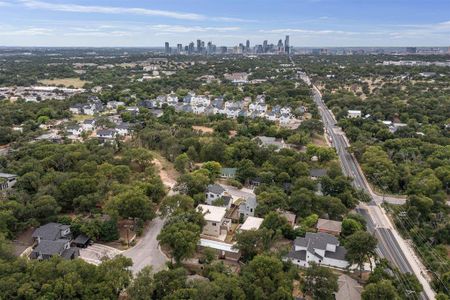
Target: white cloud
x: 3, y: 4
x: 186, y: 29
x: 76, y: 8
x: 26, y: 31
x: 309, y: 32
x: 110, y: 10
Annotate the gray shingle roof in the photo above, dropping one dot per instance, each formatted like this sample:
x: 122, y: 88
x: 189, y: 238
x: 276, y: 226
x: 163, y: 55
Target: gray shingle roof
x: 339, y: 254
x: 215, y: 189
x: 301, y: 255
x: 50, y: 231
x: 316, y: 240
x: 67, y: 253
x: 317, y: 172
x: 50, y: 247
x: 81, y: 239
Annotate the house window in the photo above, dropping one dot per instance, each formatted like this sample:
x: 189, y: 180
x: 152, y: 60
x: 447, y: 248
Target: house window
x: 251, y: 209
x: 214, y: 224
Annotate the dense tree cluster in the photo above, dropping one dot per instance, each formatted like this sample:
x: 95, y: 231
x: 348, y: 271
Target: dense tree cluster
x: 88, y: 179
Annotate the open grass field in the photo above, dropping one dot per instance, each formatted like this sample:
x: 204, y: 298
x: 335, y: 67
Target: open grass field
x: 75, y: 82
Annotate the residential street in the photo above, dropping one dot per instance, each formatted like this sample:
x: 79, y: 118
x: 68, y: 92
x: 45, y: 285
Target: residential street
x: 146, y: 252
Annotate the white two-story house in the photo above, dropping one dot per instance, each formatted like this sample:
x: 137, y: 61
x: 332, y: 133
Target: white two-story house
x: 321, y: 248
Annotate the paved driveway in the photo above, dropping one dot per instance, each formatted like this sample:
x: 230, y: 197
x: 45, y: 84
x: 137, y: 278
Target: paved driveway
x: 93, y: 254
x: 146, y: 252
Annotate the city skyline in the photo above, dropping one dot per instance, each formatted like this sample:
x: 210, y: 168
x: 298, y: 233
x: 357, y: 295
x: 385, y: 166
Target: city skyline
x: 202, y: 47
x: 309, y: 23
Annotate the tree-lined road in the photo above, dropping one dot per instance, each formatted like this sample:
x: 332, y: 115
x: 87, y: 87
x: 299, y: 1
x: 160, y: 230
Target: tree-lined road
x: 390, y: 244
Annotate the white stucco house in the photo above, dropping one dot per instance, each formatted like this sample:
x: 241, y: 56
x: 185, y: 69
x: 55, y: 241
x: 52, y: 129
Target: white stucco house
x: 321, y: 248
x: 216, y: 223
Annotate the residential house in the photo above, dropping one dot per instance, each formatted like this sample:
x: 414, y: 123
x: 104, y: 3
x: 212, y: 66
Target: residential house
x: 106, y: 133
x: 315, y: 174
x: 114, y: 105
x: 217, y: 103
x: 88, y: 125
x: 285, y: 119
x: 75, y: 130
x: 285, y: 110
x: 354, y: 114
x: 247, y: 206
x: 53, y: 239
x: 93, y: 108
x: 214, y: 192
x: 260, y: 107
x: 198, y: 109
x: 76, y: 109
x: 172, y: 99
x: 329, y: 226
x: 272, y: 116
x: 267, y: 141
x: 251, y: 223
x: 52, y: 232
x: 134, y: 110
x: 228, y: 173
x: 200, y: 101
x: 321, y: 248
x: 123, y: 129
x: 7, y: 181
x: 216, y: 223
x: 224, y: 250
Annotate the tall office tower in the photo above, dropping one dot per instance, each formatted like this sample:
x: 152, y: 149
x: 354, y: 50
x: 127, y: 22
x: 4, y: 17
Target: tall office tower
x: 191, y: 48
x: 167, y: 48
x: 287, y: 48
x: 202, y: 44
x: 280, y: 46
x: 179, y: 48
x: 186, y: 49
x: 265, y: 46
x: 209, y: 48
x: 247, y: 46
x: 259, y: 49
x: 199, y: 46
x: 241, y: 48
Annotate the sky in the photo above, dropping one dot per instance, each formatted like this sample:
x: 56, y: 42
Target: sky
x: 150, y: 23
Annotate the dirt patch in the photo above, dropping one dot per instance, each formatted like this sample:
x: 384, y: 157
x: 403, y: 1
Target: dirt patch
x: 319, y: 140
x: 166, y: 171
x: 203, y: 129
x: 75, y: 82
x: 23, y: 241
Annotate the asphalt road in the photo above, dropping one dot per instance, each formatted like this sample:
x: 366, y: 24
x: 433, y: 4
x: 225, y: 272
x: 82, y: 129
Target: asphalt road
x: 147, y: 252
x: 390, y: 245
